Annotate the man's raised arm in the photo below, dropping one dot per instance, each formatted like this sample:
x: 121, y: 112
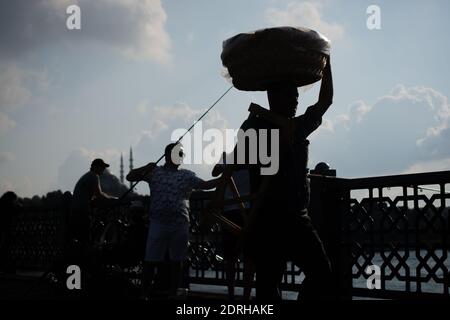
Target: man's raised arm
x: 326, y: 90
x: 138, y: 173
x: 219, y: 168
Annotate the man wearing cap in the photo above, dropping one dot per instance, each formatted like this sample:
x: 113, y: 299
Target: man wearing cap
x: 87, y: 188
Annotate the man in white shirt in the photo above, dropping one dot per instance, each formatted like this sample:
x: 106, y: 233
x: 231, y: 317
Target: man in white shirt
x: 170, y: 189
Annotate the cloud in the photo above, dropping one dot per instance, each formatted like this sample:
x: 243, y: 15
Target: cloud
x: 78, y: 162
x: 6, y: 123
x: 142, y: 108
x: 6, y: 157
x: 136, y: 28
x: 358, y: 109
x: 177, y: 116
x: 327, y: 125
x: 406, y: 129
x: 433, y: 109
x: 427, y: 166
x: 6, y: 185
x: 20, y: 184
x: 304, y: 14
x: 13, y: 91
x: 17, y: 86
x: 167, y: 119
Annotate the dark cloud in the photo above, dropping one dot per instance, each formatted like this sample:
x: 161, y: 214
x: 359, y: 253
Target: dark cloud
x: 135, y: 28
x: 25, y: 25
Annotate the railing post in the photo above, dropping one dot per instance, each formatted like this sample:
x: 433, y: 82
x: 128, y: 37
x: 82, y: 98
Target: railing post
x: 327, y: 206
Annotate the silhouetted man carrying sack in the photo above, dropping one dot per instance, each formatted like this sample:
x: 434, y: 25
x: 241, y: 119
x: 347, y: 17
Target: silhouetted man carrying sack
x: 279, y: 228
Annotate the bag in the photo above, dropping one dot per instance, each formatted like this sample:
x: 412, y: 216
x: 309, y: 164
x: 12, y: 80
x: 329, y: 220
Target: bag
x: 259, y: 59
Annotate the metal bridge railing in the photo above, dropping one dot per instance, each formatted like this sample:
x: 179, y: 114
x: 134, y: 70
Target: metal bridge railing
x: 398, y: 223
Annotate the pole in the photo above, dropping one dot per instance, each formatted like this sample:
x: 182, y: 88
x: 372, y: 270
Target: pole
x: 179, y: 139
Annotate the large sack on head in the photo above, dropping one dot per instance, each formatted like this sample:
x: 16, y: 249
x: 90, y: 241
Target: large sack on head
x: 256, y: 60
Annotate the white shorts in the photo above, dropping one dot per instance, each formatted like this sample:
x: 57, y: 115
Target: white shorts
x: 169, y: 239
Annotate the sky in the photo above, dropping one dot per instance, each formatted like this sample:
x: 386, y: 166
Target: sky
x: 137, y: 70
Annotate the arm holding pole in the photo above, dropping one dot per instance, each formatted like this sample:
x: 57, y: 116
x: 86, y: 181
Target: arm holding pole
x: 142, y: 173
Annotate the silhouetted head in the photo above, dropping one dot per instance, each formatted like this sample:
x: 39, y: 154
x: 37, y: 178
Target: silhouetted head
x: 174, y: 153
x: 283, y: 98
x: 9, y: 197
x: 98, y: 166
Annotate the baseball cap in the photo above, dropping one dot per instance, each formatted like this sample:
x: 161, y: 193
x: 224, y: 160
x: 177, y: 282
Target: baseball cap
x: 99, y: 163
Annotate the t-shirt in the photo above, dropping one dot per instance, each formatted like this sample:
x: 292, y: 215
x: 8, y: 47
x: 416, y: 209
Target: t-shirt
x: 84, y: 191
x: 170, y: 191
x: 289, y: 187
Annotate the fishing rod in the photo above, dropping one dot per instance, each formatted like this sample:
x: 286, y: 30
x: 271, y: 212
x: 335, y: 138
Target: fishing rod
x: 51, y: 268
x: 179, y: 139
x: 421, y: 188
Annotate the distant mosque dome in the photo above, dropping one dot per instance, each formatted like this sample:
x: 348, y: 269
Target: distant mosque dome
x: 322, y: 166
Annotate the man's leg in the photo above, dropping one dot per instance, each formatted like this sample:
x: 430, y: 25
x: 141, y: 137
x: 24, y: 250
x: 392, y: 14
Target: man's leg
x: 269, y: 263
x: 249, y: 273
x: 269, y: 273
x: 231, y: 250
x: 154, y: 256
x: 230, y: 275
x: 229, y: 242
x: 307, y: 251
x: 176, y: 272
x: 148, y: 275
x: 262, y: 247
x: 178, y: 250
x: 162, y: 276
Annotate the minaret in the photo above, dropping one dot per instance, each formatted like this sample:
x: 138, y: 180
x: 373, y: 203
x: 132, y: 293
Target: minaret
x: 121, y: 168
x: 131, y: 163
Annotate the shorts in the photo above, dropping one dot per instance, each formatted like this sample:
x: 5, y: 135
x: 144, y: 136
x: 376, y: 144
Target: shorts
x: 171, y: 239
